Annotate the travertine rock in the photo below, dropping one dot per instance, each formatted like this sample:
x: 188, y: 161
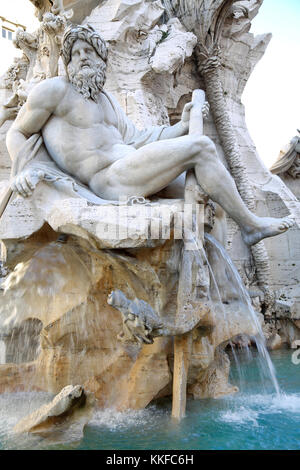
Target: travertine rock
x: 67, y: 285
x: 213, y: 381
x: 17, y: 377
x: 288, y: 162
x: 72, y: 406
x: 274, y: 342
x: 170, y: 53
x: 289, y: 331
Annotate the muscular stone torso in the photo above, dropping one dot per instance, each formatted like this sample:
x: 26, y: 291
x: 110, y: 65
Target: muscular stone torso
x: 82, y: 137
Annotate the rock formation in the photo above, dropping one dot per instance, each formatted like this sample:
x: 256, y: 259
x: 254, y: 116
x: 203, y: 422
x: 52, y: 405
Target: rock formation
x: 287, y: 165
x: 71, y: 408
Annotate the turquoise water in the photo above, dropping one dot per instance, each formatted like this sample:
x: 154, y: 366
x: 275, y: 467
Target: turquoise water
x: 254, y: 418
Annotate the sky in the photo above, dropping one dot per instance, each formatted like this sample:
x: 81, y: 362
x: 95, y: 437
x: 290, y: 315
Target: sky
x: 271, y: 97
x: 21, y: 12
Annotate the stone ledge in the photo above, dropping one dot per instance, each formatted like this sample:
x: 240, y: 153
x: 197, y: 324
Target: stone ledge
x: 106, y: 225
x: 287, y: 310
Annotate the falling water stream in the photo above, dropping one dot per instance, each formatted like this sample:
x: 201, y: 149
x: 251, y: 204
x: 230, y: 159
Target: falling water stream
x: 265, y: 360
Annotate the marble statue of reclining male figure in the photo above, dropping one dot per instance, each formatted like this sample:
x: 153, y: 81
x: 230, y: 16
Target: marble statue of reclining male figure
x: 88, y: 136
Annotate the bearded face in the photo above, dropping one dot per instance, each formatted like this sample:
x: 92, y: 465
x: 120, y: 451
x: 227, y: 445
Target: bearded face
x: 86, y: 70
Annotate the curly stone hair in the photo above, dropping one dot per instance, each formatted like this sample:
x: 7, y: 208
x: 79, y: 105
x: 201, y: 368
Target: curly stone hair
x: 86, y: 33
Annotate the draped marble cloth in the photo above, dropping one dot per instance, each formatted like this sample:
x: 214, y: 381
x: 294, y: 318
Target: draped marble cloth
x: 130, y: 134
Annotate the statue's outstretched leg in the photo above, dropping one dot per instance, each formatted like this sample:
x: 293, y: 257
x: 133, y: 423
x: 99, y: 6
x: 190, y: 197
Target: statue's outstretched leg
x: 146, y: 171
x: 217, y: 182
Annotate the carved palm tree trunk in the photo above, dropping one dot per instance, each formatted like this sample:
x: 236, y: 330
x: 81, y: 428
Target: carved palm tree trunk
x: 208, y: 66
x: 206, y: 18
x: 209, y: 69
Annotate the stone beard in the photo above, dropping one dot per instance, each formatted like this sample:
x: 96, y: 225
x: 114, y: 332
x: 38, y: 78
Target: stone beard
x: 89, y: 80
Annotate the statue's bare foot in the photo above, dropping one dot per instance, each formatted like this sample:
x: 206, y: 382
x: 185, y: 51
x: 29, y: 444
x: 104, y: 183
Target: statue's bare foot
x: 266, y: 227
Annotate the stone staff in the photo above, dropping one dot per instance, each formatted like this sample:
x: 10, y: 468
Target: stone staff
x: 185, y: 301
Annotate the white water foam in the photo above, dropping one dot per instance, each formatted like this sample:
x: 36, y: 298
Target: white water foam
x: 240, y: 416
x: 275, y: 404
x: 249, y: 408
x: 117, y: 420
x: 14, y: 407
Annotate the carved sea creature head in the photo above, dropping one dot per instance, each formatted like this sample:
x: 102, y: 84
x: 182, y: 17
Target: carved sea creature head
x: 85, y: 65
